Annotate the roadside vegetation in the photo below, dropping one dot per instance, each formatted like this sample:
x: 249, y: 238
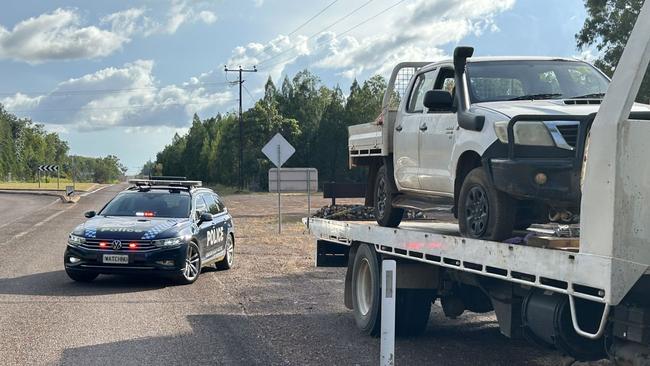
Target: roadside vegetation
x: 24, y: 145
x: 312, y: 117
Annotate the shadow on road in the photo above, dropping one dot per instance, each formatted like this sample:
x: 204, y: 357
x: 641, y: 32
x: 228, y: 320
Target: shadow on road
x: 300, y: 339
x: 57, y: 283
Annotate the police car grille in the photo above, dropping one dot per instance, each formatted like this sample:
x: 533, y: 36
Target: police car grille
x: 141, y: 245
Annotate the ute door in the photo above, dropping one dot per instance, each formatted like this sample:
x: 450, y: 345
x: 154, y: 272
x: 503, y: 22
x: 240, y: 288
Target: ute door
x: 217, y: 234
x: 406, y: 157
x: 437, y: 137
x: 200, y: 206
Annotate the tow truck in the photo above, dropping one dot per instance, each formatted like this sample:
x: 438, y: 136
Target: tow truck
x: 590, y: 302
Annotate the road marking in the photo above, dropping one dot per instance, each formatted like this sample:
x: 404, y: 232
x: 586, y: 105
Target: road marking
x: 19, y: 235
x: 29, y: 214
x: 96, y: 190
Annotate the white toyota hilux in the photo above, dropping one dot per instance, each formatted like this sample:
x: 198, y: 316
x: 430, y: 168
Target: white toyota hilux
x: 500, y: 139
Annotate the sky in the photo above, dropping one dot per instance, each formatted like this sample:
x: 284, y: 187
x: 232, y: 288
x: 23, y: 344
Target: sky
x: 121, y: 77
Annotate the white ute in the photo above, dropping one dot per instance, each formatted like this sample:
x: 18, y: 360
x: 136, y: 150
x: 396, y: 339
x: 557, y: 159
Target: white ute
x: 500, y: 139
x: 590, y: 301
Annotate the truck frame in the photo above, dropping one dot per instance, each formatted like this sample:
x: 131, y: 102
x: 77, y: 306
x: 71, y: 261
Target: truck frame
x: 590, y: 303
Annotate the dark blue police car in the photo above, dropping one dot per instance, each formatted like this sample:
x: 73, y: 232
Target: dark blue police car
x: 164, y: 226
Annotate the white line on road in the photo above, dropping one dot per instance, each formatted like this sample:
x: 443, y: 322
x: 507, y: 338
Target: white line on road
x: 96, y: 190
x: 19, y: 235
x: 22, y: 217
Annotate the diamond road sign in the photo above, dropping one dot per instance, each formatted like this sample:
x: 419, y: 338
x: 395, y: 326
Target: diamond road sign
x: 278, y: 150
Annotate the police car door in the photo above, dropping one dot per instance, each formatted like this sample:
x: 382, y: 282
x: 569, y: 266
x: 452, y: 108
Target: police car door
x: 217, y: 234
x: 204, y: 227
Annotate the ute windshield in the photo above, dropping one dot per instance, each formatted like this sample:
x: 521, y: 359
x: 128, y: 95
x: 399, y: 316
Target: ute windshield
x: 491, y: 81
x: 149, y: 204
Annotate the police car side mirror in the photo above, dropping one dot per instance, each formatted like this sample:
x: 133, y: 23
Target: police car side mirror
x: 205, y: 217
x: 90, y: 214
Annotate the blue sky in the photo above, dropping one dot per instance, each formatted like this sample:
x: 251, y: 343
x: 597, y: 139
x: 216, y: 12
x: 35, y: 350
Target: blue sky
x: 122, y: 77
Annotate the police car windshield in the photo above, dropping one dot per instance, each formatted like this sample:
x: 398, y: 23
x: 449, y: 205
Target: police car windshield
x: 149, y: 204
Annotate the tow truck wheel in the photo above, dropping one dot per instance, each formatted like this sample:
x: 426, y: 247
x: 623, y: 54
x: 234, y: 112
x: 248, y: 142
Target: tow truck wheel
x: 366, y: 290
x: 412, y: 310
x: 80, y: 276
x: 228, y: 261
x: 385, y: 214
x: 483, y: 211
x: 192, y: 267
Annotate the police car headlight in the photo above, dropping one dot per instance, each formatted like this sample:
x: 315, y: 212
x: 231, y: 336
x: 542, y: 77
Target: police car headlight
x: 532, y: 133
x: 171, y: 242
x: 76, y: 240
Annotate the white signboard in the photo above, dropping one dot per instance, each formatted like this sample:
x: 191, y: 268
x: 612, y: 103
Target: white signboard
x: 278, y: 150
x: 294, y: 180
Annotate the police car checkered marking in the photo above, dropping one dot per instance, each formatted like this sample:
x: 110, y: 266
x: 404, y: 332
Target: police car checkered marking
x: 154, y: 231
x: 90, y: 232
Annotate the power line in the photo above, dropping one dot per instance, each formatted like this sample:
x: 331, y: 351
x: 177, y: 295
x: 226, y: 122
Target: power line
x: 106, y: 91
x: 135, y: 106
x: 338, y: 35
x: 302, y: 25
x: 318, y: 33
x: 312, y: 18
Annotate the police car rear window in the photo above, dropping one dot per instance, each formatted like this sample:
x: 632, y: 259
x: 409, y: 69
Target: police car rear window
x: 149, y: 204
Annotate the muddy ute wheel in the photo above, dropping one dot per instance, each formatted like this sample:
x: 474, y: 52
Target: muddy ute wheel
x: 385, y: 214
x: 483, y: 211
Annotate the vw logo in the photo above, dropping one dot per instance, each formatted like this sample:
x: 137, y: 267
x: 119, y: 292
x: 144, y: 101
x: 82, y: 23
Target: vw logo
x: 116, y: 245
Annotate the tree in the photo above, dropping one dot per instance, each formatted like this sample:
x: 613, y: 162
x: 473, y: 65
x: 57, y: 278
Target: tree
x: 608, y: 26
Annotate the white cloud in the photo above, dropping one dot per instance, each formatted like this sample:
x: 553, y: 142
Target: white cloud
x: 414, y: 32
x: 128, y: 96
x: 56, y: 36
x: 60, y: 35
x: 207, y: 17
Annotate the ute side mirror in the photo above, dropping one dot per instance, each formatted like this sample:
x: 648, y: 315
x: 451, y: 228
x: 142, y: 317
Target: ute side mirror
x: 205, y: 217
x: 438, y: 100
x: 90, y: 214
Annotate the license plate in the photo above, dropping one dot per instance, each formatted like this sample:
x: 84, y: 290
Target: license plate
x: 115, y: 259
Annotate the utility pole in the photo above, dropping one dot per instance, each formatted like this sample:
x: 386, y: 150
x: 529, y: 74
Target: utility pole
x: 241, y: 121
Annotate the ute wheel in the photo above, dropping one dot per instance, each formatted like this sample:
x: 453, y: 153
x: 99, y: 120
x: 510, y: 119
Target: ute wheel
x: 385, y: 214
x: 483, y: 211
x: 81, y: 276
x: 228, y: 261
x: 366, y: 291
x: 412, y: 310
x: 192, y: 267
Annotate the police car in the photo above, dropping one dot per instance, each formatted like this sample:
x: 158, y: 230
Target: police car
x: 164, y: 226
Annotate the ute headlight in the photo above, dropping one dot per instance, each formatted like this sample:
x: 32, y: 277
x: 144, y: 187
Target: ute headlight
x: 171, y: 242
x: 76, y: 240
x: 533, y: 133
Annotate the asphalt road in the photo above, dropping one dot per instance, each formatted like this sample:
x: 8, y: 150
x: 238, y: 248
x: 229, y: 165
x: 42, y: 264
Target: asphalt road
x: 273, y: 308
x: 15, y: 207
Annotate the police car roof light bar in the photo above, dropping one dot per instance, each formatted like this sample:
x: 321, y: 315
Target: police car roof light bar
x: 166, y: 183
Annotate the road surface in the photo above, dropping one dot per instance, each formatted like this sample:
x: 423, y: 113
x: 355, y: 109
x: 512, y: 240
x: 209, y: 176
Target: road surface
x: 273, y: 308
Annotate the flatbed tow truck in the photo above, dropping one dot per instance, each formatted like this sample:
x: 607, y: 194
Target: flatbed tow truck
x: 590, y: 303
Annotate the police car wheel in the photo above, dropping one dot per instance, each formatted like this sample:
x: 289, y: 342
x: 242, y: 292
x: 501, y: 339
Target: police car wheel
x: 192, y: 268
x: 81, y: 276
x: 228, y: 261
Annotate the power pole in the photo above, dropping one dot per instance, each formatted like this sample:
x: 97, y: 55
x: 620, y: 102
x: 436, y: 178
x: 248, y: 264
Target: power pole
x: 241, y: 121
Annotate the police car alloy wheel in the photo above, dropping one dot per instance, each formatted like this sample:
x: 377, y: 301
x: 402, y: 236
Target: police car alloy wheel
x: 229, y: 260
x: 192, y: 267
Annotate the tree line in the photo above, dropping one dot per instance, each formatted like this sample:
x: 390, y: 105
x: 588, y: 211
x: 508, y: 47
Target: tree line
x: 24, y: 145
x: 312, y: 117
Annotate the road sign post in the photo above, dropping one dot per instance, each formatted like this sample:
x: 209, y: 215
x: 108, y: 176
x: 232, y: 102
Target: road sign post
x: 278, y: 150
